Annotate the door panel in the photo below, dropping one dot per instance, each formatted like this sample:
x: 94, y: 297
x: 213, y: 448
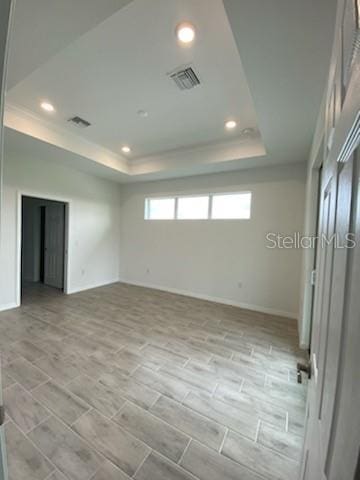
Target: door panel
x: 344, y: 449
x: 54, y: 245
x: 335, y: 321
x: 313, y: 448
x: 328, y: 325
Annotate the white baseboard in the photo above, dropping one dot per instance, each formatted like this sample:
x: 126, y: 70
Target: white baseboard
x: 224, y: 301
x: 91, y: 286
x: 8, y: 306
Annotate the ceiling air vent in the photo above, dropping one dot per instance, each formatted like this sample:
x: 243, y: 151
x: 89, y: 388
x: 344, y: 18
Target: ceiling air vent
x: 79, y: 122
x: 185, y: 78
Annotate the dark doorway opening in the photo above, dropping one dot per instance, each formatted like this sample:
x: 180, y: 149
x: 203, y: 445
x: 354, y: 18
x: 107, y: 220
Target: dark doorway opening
x: 43, y: 243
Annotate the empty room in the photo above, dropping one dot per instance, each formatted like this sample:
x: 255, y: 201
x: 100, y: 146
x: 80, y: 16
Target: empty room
x: 179, y: 239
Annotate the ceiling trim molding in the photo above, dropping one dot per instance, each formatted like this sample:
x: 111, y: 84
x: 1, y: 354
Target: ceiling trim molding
x: 30, y: 124
x: 208, y: 154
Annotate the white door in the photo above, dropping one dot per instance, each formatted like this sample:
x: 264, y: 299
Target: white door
x: 326, y: 347
x: 54, y: 245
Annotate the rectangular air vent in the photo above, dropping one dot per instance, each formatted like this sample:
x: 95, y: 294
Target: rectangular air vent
x: 185, y: 78
x: 79, y: 122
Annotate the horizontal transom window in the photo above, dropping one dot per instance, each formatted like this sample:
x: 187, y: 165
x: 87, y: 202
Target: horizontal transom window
x: 212, y: 206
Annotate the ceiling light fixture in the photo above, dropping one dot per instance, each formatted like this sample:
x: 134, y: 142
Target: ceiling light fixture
x: 230, y: 125
x: 126, y: 149
x: 48, y: 107
x: 185, y: 32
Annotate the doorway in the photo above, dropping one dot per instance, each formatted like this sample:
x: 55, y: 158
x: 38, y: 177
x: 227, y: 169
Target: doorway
x: 43, y: 244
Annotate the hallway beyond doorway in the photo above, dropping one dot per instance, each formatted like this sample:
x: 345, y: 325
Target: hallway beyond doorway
x: 43, y: 242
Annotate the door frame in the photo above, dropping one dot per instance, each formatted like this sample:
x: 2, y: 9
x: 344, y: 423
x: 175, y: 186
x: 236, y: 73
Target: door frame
x: 43, y: 196
x: 311, y: 219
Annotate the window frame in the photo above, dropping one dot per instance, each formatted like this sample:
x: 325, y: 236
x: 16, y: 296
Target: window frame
x: 244, y: 192
x: 197, y: 195
x: 189, y: 195
x: 147, y: 208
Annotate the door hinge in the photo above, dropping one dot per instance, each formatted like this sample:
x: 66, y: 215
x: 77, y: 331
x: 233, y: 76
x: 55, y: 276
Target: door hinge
x: 313, y: 277
x: 2, y: 415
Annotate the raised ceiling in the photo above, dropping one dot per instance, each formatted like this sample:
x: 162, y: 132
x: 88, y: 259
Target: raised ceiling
x: 265, y: 68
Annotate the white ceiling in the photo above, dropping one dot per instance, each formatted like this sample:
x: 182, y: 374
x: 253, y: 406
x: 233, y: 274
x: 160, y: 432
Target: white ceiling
x: 42, y: 28
x: 285, y: 47
x: 116, y: 61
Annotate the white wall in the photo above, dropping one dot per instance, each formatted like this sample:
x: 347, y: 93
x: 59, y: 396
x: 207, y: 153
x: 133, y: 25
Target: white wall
x: 93, y: 223
x: 210, y: 258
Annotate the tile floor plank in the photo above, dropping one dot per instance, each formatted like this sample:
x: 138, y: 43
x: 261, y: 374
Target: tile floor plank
x: 260, y: 459
x: 284, y: 443
x: 187, y: 420
x: 159, y: 435
x: 220, y: 412
x: 107, y: 400
x: 206, y: 464
x: 26, y: 374
x: 129, y: 388
x: 63, y: 403
x: 108, y: 471
x: 117, y: 445
x: 156, y: 467
x: 58, y: 368
x: 71, y: 455
x: 161, y: 382
x: 25, y: 462
x: 57, y: 476
x: 28, y: 350
x: 23, y: 409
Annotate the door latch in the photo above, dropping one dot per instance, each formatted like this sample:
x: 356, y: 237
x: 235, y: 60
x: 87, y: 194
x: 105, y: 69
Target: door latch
x: 302, y: 367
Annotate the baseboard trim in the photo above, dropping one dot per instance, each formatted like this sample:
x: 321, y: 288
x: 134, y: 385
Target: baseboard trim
x: 224, y: 301
x: 91, y: 286
x: 8, y: 306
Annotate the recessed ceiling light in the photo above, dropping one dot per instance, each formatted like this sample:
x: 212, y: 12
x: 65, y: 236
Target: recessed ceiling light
x: 126, y: 149
x: 185, y: 32
x: 230, y: 125
x: 48, y: 107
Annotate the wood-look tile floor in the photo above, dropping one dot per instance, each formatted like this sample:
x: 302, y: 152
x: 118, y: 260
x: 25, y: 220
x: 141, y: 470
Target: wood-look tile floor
x: 125, y: 382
